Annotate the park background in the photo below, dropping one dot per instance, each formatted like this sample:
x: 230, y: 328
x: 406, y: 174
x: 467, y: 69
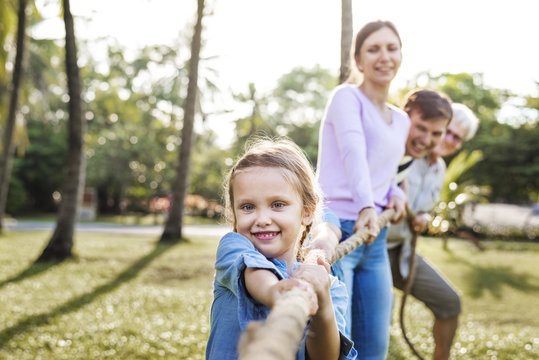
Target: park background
x: 265, y: 67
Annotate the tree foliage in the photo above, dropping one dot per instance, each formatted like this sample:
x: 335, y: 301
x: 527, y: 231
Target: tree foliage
x: 39, y: 173
x: 294, y: 109
x: 129, y: 131
x: 456, y: 194
x: 134, y: 109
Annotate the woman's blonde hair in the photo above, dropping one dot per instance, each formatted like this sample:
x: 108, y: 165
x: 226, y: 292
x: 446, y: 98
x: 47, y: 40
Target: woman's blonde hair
x: 284, y: 154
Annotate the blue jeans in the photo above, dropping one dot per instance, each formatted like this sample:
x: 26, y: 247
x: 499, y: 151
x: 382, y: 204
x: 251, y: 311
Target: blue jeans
x: 367, y: 275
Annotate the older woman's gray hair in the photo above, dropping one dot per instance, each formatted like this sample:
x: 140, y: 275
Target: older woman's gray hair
x: 465, y: 117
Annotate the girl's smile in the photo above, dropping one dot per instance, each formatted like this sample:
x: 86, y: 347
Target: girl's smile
x: 266, y: 236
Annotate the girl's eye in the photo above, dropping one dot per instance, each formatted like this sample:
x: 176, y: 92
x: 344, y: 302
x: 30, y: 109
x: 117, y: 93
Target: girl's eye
x: 279, y: 204
x: 247, y: 207
x: 372, y: 50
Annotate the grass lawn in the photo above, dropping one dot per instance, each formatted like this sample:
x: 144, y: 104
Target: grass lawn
x: 124, y: 297
x: 500, y: 288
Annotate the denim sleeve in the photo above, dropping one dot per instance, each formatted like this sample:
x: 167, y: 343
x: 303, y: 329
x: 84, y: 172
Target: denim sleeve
x: 348, y: 352
x: 235, y: 253
x: 330, y: 217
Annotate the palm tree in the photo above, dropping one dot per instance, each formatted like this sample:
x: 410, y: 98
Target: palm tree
x: 346, y: 39
x: 61, y: 243
x: 173, y: 226
x: 8, y: 146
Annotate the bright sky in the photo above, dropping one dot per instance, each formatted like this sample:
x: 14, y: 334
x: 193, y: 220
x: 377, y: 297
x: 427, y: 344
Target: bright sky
x: 260, y: 40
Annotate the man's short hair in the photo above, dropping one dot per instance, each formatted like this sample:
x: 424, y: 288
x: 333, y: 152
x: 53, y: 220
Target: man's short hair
x: 432, y: 104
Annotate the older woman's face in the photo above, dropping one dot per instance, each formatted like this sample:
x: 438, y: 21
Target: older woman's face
x: 453, y: 139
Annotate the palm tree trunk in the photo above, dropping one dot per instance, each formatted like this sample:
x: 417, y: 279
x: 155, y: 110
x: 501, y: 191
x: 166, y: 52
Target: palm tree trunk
x: 173, y: 227
x: 346, y: 39
x: 61, y: 242
x: 8, y: 149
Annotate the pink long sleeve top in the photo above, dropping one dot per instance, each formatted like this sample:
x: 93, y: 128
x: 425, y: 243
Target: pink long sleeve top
x: 359, y: 153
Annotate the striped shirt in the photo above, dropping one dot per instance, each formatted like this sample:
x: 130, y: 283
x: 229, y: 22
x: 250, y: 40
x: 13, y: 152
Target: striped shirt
x: 404, y: 168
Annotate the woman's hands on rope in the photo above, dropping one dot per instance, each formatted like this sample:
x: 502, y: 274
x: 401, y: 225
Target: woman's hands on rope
x: 326, y: 236
x: 368, y: 218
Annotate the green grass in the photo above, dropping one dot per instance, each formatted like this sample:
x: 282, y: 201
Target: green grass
x: 499, y: 288
x: 125, y: 297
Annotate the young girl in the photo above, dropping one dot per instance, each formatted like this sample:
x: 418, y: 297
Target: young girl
x: 362, y: 139
x: 272, y: 198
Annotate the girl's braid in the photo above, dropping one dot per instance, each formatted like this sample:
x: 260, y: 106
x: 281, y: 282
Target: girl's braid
x: 306, y: 232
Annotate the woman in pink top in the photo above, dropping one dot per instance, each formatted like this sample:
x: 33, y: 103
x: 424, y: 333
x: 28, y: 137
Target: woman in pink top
x: 362, y: 139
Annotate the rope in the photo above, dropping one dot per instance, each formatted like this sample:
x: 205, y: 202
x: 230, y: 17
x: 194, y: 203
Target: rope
x: 409, y: 280
x: 278, y: 337
x: 359, y: 237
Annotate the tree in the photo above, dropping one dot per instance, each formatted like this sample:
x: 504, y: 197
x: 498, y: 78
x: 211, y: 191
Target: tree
x: 173, y: 226
x: 61, y: 243
x: 6, y: 160
x: 347, y: 26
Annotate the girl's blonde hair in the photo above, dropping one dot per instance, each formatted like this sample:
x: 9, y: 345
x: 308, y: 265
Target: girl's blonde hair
x: 284, y: 154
